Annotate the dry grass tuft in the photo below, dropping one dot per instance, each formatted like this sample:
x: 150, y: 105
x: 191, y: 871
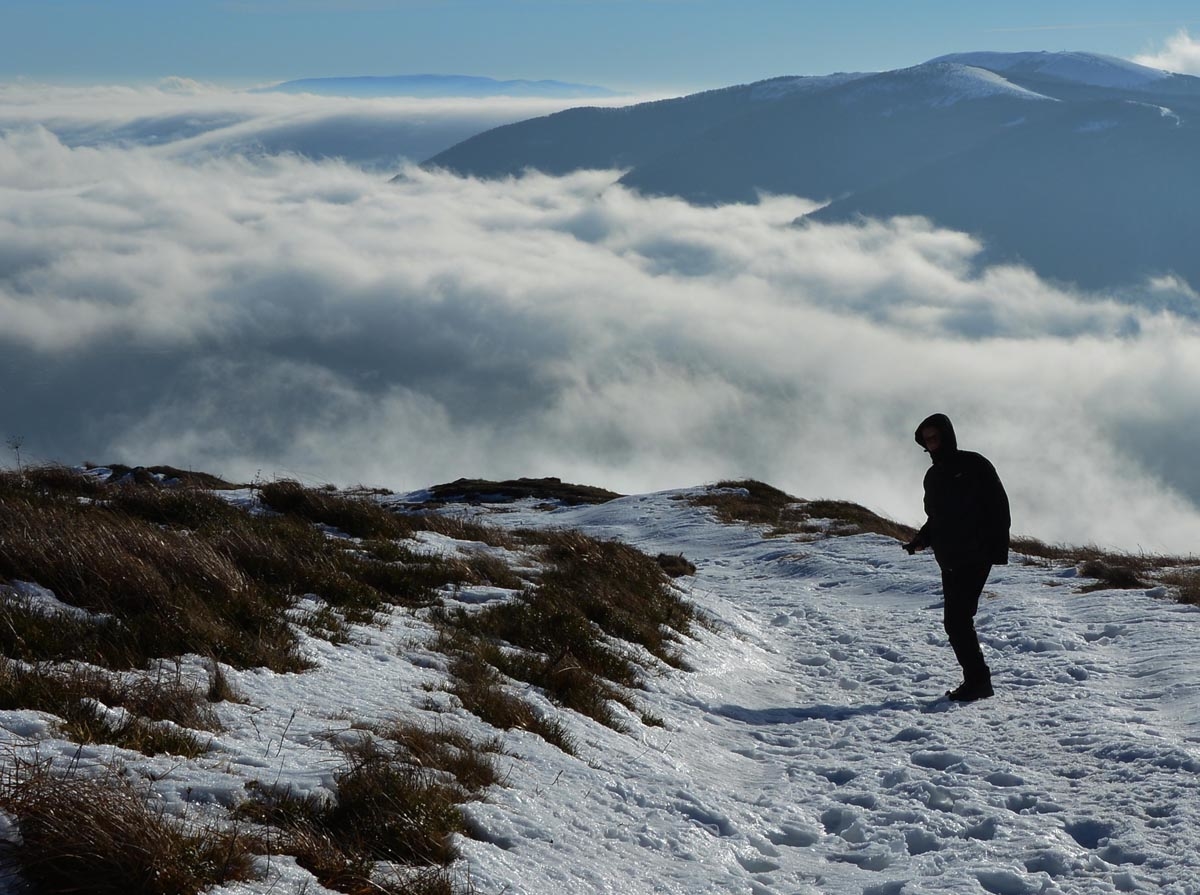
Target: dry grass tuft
x: 547, y: 489
x: 570, y: 634
x: 851, y: 518
x: 166, y: 571
x: 750, y: 502
x: 356, y: 515
x: 119, y: 473
x: 394, y: 811
x: 359, y: 874
x: 461, y: 529
x: 1110, y: 575
x: 469, y: 763
x: 168, y: 592
x: 50, y: 478
x: 392, y: 804
x: 101, y: 836
x: 676, y: 565
x: 79, y: 696
x: 1185, y: 582
x: 481, y: 690
x: 616, y: 587
x: 1055, y: 553
x: 1113, y: 570
x: 220, y: 689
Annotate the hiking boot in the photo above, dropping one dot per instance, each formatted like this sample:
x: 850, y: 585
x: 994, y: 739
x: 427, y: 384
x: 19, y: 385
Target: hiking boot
x: 970, y: 691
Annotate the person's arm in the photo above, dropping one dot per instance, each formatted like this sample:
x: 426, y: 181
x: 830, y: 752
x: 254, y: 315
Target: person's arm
x: 998, y: 518
x: 921, y: 541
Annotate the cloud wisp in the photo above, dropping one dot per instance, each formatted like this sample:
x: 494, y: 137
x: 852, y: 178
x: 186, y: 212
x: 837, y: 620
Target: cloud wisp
x: 270, y: 314
x: 1180, y: 53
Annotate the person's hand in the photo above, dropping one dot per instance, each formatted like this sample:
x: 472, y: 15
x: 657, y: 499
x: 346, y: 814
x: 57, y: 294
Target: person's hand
x: 911, y: 547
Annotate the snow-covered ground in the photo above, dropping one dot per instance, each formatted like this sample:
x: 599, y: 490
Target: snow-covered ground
x: 806, y: 751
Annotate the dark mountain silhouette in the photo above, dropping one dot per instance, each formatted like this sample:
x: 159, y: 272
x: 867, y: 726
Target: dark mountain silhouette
x: 614, y: 137
x: 1102, y: 195
x: 1082, y: 166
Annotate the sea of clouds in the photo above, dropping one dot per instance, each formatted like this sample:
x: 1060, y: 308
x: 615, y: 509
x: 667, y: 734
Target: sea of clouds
x: 184, y: 280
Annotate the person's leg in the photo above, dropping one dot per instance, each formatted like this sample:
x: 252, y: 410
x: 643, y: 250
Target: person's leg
x: 962, y: 589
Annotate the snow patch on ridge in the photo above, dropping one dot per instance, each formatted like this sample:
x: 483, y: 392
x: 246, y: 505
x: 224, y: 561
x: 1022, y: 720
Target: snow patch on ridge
x: 942, y: 85
x: 777, y: 88
x: 967, y: 82
x: 1094, y: 69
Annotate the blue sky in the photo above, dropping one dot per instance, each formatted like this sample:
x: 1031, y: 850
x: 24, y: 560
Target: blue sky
x: 625, y: 44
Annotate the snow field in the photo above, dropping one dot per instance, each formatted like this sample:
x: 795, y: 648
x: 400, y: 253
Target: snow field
x: 810, y: 751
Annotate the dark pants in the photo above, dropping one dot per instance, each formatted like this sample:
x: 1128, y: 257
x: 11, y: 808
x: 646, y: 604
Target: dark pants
x: 962, y: 588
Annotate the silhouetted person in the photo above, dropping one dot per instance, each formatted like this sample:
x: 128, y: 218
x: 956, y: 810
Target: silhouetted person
x: 968, y: 531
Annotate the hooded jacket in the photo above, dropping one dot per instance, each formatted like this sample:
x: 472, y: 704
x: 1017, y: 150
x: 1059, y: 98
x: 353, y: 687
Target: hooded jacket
x: 966, y: 504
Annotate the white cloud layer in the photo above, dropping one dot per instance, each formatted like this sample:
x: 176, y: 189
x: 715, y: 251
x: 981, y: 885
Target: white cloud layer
x: 191, y: 120
x: 263, y: 314
x: 1181, y: 54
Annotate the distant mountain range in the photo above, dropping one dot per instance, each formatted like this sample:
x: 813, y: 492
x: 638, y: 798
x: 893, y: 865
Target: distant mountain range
x: 437, y: 85
x: 1083, y: 166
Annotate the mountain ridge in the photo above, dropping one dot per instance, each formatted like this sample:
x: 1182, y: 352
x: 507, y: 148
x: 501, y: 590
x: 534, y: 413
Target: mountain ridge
x: 904, y: 142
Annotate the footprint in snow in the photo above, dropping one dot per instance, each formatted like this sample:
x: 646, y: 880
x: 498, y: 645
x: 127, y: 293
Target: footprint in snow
x: 838, y: 776
x: 936, y: 759
x: 920, y: 842
x: 1004, y: 779
x: 1005, y: 882
x: 1107, y: 633
x: 1089, y: 833
x: 793, y: 836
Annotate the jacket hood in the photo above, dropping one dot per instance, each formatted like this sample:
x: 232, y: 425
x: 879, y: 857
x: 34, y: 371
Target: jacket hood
x: 940, y: 421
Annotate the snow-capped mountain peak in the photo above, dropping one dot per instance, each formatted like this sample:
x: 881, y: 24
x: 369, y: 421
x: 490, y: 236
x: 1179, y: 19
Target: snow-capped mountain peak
x: 944, y: 84
x: 1091, y: 69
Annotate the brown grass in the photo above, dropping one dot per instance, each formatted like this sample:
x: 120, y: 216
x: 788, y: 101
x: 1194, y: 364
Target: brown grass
x: 392, y: 803
x: 162, y: 571
x: 72, y: 693
x: 170, y: 593
x: 675, y: 565
x: 750, y: 502
x: 220, y: 689
x: 481, y: 690
x: 50, y: 478
x: 570, y: 633
x: 547, y: 489
x: 1113, y: 570
x: 468, y: 762
x: 171, y: 476
x: 356, y: 515
x: 174, y: 570
x: 461, y: 529
x: 395, y: 811
x: 1110, y: 575
x: 1185, y: 582
x: 101, y: 836
x: 851, y: 518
